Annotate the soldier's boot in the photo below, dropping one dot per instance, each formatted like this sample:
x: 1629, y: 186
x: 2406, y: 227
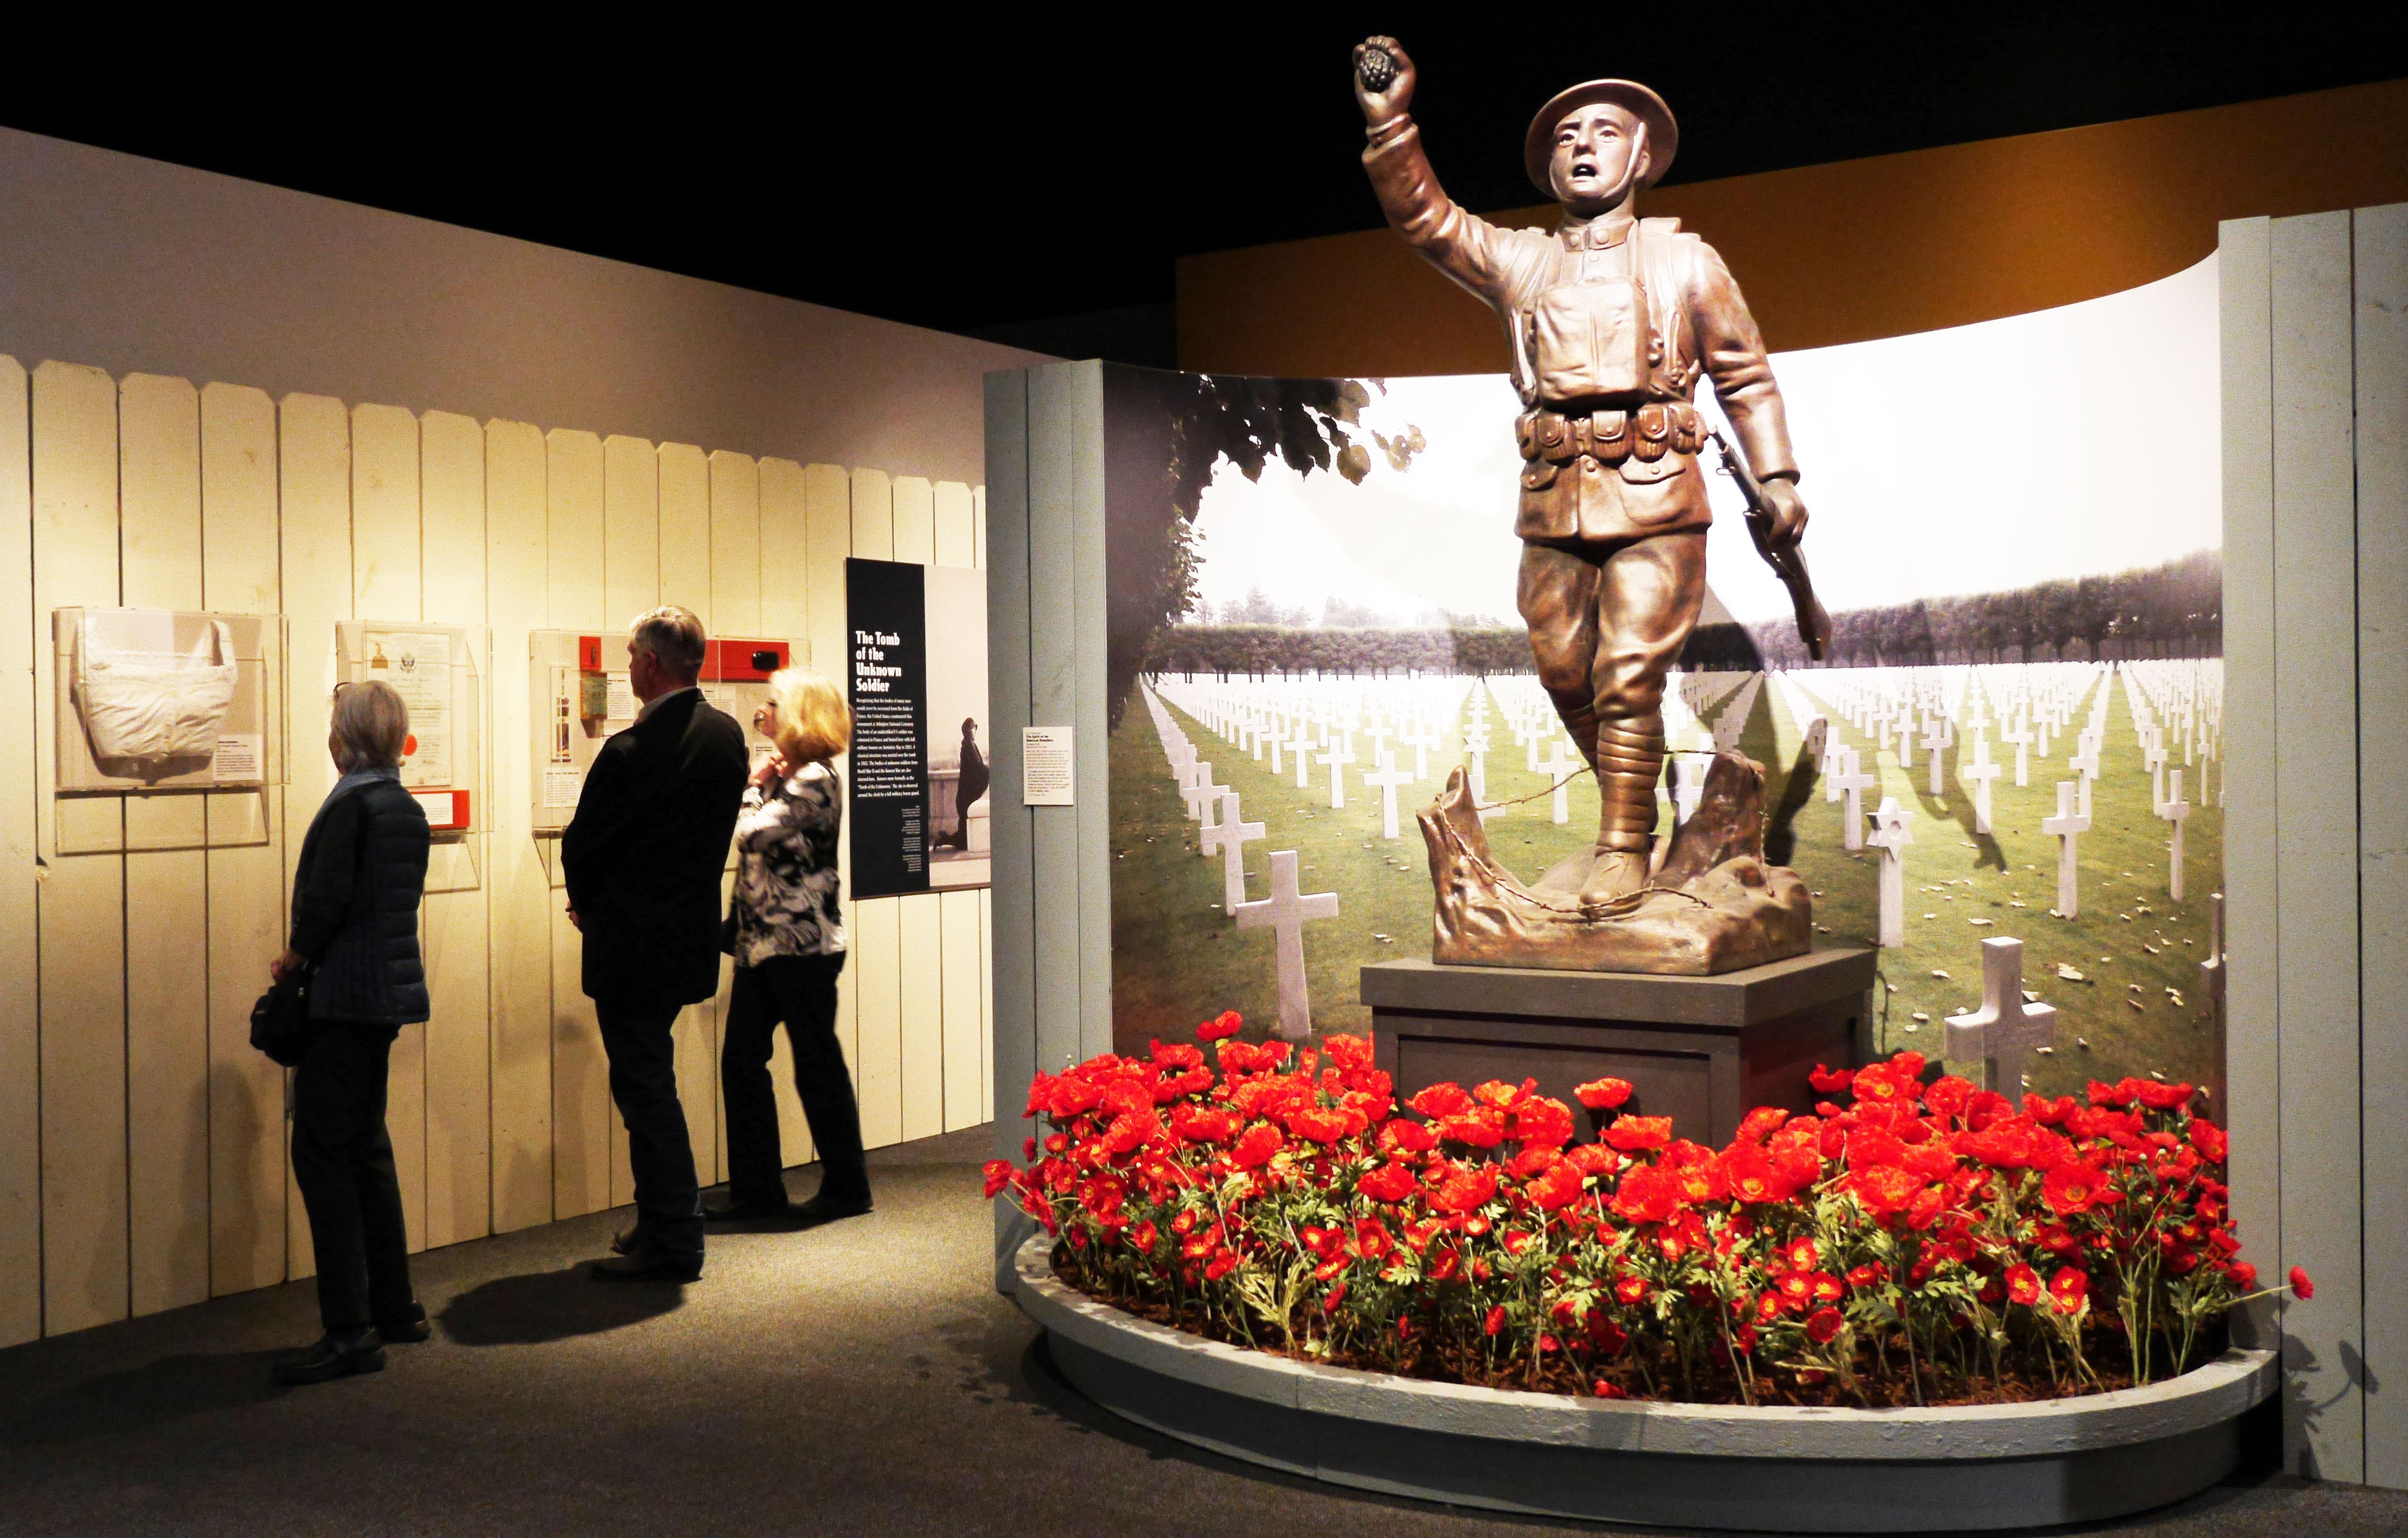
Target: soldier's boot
x: 1629, y: 762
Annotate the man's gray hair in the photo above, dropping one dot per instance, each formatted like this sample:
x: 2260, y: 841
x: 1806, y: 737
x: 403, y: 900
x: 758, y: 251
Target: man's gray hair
x: 674, y: 638
x: 371, y: 721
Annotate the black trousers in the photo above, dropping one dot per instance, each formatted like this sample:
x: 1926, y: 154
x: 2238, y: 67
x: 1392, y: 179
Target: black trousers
x: 638, y: 1037
x: 342, y: 1158
x: 800, y: 990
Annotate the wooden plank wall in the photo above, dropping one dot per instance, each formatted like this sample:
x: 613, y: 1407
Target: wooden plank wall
x: 143, y: 1160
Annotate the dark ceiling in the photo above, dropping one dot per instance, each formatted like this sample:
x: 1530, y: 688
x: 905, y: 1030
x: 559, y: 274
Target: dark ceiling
x: 968, y: 173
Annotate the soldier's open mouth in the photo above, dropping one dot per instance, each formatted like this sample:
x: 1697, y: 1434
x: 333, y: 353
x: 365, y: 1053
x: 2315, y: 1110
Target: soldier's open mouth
x: 1583, y: 167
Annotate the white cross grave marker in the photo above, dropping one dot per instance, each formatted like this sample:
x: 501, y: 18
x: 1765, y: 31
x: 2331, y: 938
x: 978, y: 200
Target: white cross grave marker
x: 1980, y: 772
x: 1891, y: 837
x: 2005, y: 1028
x: 2022, y: 738
x: 2210, y: 972
x: 1559, y: 768
x: 1286, y: 911
x: 1228, y: 837
x: 2085, y: 763
x: 1338, y: 756
x: 2066, y: 827
x: 1301, y: 746
x: 1386, y: 779
x: 2175, y: 810
x: 1852, y: 782
x: 1935, y: 738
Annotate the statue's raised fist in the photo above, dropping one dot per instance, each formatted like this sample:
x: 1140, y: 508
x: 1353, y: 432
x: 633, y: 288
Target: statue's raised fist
x: 1383, y: 80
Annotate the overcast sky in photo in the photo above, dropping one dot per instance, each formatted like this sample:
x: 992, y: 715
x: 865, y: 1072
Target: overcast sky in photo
x: 1982, y: 458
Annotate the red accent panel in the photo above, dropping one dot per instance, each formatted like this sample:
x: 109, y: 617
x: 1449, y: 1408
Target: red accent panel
x: 589, y: 654
x: 731, y: 661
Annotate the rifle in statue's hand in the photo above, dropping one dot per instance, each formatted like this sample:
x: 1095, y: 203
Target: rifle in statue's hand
x: 1787, y: 561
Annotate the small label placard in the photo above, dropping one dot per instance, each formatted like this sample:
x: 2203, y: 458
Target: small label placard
x: 1045, y: 766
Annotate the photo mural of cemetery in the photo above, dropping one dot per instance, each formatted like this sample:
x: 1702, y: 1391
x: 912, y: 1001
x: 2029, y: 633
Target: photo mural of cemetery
x: 2016, y: 527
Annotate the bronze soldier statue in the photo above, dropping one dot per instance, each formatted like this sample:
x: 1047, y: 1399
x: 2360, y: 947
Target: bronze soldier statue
x: 1610, y: 321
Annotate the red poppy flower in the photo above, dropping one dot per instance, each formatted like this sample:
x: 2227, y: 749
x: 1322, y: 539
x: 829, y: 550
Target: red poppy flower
x: 1593, y: 1159
x: 1603, y: 1389
x: 2164, y: 1097
x: 1637, y: 1134
x: 1444, y: 1264
x: 2068, y: 1289
x: 1463, y: 1189
x: 1542, y: 1123
x: 1221, y: 1265
x: 1604, y: 1094
x: 1373, y: 1239
x: 1477, y: 1128
x: 1872, y: 1275
x: 1631, y: 1289
x: 1885, y: 1189
x: 2302, y: 1288
x: 1143, y: 1237
x: 1256, y: 1146
x: 1770, y: 1306
x: 1531, y: 1161
x: 1823, y: 1326
x: 1949, y: 1095
x: 1222, y: 1026
x: 1495, y: 1322
x: 1760, y: 1123
x: 1802, y: 1252
x: 1558, y: 1187
x: 1647, y: 1195
x: 1401, y: 1134
x: 1347, y: 1052
x: 2243, y: 1276
x: 998, y: 1175
x: 2209, y: 1140
x: 2023, y: 1284
x: 1389, y: 1183
x: 1829, y: 1080
x: 1242, y: 1058
x: 1323, y: 1127
x: 1441, y: 1099
x: 2072, y: 1188
x: 1503, y: 1096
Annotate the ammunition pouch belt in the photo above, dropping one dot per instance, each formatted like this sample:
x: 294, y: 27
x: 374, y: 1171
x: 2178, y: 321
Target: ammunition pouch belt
x: 1610, y: 437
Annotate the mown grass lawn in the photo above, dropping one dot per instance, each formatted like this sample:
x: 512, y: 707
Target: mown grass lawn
x: 1178, y: 959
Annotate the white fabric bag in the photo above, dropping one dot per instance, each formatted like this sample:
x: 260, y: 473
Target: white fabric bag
x: 147, y: 705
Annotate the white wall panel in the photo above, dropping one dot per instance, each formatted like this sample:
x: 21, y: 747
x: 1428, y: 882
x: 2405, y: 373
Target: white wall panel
x: 455, y: 919
x: 85, y: 1253
x: 517, y: 588
x: 21, y: 1106
x: 241, y: 574
x: 315, y: 462
x: 166, y: 879
x: 583, y: 1123
x: 387, y: 584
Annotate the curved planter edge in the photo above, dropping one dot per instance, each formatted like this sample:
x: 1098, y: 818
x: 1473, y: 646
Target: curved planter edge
x: 1956, y: 1468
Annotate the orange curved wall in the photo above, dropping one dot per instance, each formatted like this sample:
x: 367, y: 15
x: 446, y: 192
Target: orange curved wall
x: 1852, y: 251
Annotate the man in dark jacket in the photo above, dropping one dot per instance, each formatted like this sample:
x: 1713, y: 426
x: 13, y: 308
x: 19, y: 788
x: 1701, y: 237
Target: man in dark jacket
x: 642, y: 860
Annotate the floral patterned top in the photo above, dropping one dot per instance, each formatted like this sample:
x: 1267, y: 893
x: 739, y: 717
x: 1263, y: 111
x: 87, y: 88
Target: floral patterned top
x: 786, y: 898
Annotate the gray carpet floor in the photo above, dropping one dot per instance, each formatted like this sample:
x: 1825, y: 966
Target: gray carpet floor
x: 861, y: 1378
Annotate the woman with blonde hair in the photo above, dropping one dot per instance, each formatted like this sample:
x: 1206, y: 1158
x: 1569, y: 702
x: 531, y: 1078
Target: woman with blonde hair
x: 355, y: 893
x: 787, y: 933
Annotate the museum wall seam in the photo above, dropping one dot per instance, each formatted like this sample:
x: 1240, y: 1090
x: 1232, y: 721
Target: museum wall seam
x: 142, y: 1161
x: 137, y: 265
x: 1849, y: 251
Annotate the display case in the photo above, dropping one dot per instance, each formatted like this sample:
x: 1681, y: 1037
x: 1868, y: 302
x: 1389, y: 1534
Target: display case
x: 580, y: 694
x: 438, y: 671
x: 156, y: 699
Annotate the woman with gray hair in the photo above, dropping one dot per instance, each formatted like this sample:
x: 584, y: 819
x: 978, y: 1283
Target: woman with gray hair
x: 355, y: 897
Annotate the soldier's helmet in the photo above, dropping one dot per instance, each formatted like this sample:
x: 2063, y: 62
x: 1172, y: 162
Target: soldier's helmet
x: 1663, y: 132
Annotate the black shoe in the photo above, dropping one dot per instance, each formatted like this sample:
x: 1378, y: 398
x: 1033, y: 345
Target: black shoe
x: 826, y: 1209
x: 625, y: 1241
x: 644, y: 1263
x: 738, y: 1211
x: 405, y: 1332
x: 335, y: 1357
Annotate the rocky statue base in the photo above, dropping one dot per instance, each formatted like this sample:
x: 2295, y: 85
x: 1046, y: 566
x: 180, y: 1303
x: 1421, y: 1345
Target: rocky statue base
x: 1712, y: 905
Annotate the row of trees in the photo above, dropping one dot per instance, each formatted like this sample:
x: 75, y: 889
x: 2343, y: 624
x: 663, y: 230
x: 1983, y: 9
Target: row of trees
x: 2174, y: 610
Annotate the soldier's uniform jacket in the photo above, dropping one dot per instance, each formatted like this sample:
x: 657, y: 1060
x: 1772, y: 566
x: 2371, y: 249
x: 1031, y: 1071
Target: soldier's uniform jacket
x: 1606, y: 353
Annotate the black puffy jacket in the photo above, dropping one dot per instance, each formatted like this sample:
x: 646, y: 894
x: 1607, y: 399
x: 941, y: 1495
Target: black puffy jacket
x: 355, y: 895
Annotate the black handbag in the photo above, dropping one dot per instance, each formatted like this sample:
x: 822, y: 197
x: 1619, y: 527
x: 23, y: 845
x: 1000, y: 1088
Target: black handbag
x: 280, y: 1022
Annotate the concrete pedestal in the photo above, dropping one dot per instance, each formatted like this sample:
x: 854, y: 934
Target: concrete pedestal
x: 1704, y: 1051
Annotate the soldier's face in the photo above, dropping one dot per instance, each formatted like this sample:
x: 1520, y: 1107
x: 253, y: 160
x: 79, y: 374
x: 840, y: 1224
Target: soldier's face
x: 1600, y: 152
